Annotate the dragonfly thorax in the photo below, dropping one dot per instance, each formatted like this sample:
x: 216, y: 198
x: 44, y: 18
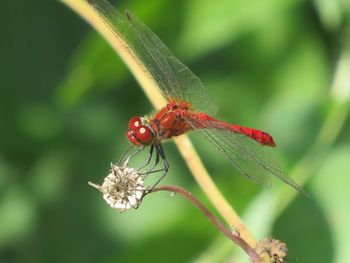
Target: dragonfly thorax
x: 170, y: 121
x: 183, y: 105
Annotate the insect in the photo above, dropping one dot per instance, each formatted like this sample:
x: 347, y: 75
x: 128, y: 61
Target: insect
x: 188, y: 106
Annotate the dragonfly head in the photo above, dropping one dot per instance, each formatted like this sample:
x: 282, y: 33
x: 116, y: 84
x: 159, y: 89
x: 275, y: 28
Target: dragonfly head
x: 139, y: 133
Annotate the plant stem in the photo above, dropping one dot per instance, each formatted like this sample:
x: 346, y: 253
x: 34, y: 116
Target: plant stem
x: 149, y: 86
x: 233, y: 235
x: 209, y: 188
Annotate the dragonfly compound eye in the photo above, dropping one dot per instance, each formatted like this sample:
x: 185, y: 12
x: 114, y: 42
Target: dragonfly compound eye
x: 134, y: 123
x: 131, y: 135
x: 144, y: 135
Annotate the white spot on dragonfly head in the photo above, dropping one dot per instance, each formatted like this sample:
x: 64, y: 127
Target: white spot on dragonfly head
x: 142, y: 130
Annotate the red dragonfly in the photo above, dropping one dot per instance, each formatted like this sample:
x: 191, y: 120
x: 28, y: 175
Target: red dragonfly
x: 188, y: 106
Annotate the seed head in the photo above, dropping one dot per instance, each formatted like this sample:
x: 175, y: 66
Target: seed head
x: 273, y: 248
x: 123, y: 188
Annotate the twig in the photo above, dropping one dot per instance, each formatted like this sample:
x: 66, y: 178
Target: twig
x: 233, y: 235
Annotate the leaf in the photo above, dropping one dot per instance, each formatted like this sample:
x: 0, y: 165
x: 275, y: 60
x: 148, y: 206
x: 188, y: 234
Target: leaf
x: 331, y: 188
x: 93, y: 62
x: 301, y: 82
x: 208, y: 26
x: 332, y: 12
x: 17, y: 215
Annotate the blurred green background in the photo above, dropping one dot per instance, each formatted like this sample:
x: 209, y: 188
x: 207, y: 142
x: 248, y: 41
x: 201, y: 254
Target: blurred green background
x: 65, y: 99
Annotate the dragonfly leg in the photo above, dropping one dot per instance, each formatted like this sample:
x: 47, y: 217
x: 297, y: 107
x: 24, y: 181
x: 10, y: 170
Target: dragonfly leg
x: 125, y: 159
x: 159, y: 154
x: 149, y: 158
x: 125, y: 153
x: 165, y: 169
x: 151, y: 169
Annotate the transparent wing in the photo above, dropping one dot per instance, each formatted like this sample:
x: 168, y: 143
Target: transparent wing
x: 174, y: 79
x: 247, y: 155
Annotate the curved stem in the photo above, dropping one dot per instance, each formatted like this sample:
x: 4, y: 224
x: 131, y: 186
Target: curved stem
x: 204, y: 180
x: 233, y: 235
x: 183, y: 143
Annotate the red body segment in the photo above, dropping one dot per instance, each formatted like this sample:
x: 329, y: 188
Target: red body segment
x: 260, y: 136
x: 169, y: 121
x: 174, y: 120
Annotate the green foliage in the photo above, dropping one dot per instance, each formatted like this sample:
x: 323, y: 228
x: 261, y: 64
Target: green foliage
x: 65, y: 100
x: 334, y: 200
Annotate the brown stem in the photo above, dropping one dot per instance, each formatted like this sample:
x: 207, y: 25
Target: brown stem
x: 233, y: 235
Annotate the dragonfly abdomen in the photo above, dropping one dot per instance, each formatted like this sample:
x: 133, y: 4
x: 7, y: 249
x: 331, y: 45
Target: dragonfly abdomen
x: 260, y: 136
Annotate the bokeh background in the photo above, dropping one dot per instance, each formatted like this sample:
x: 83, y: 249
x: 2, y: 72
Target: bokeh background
x: 66, y: 97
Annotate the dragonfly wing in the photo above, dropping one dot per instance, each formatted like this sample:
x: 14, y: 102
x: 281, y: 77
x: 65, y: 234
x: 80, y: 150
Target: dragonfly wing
x: 174, y: 79
x: 247, y: 155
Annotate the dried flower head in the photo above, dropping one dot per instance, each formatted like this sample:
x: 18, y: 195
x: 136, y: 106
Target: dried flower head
x: 273, y: 248
x: 123, y: 188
